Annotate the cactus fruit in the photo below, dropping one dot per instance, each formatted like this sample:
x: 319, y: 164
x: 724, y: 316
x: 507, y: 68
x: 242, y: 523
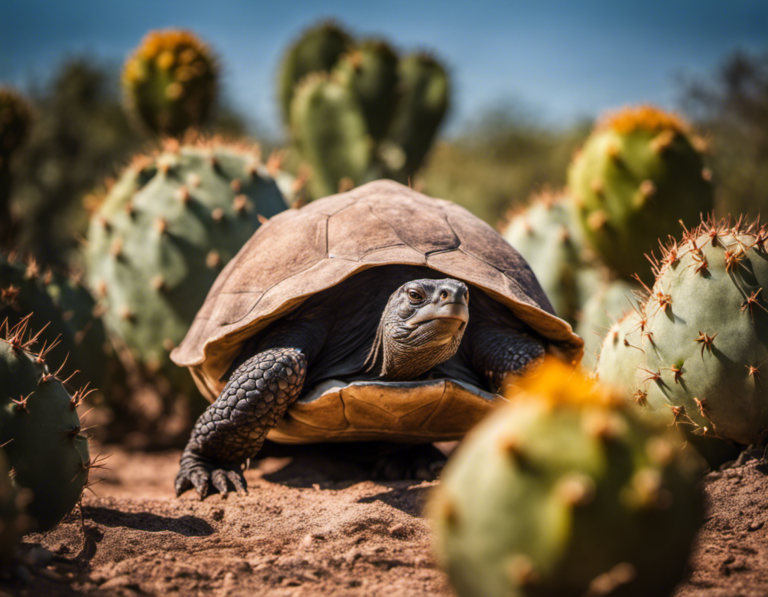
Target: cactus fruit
x: 316, y: 51
x: 612, y: 301
x: 65, y: 312
x: 161, y: 236
x: 40, y: 429
x: 575, y: 496
x: 637, y: 175
x: 331, y: 134
x: 13, y: 520
x: 420, y: 111
x: 544, y: 233
x: 15, y: 122
x: 170, y: 81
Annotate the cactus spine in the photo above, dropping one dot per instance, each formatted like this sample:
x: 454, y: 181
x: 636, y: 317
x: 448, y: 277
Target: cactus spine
x: 568, y: 474
x: 40, y: 429
x: 170, y: 81
x: 637, y: 175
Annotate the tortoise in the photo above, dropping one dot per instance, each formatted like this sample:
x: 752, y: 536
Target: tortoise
x: 349, y: 319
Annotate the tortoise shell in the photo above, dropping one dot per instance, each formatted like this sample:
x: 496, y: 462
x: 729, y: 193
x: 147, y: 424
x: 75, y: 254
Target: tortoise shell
x: 303, y: 251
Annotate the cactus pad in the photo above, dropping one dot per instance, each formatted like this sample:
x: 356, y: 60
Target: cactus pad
x: 568, y: 475
x: 637, y: 175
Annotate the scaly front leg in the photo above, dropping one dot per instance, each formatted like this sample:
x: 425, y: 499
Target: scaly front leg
x: 234, y: 427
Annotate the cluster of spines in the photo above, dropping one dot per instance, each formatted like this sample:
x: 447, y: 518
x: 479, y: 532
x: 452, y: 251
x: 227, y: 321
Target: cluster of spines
x: 735, y: 239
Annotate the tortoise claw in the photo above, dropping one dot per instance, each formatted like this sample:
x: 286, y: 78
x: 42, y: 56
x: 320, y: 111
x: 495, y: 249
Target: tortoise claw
x: 208, y: 477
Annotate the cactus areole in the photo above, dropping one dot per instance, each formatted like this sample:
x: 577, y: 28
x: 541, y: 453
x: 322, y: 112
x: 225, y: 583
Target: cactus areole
x: 377, y: 314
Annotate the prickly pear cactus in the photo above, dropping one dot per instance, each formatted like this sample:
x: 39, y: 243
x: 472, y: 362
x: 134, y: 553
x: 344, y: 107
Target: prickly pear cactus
x: 329, y: 129
x: 638, y: 174
x: 170, y: 81
x: 544, y: 233
x: 316, y: 51
x: 15, y: 122
x: 163, y: 233
x: 65, y: 312
x: 568, y: 475
x: 424, y: 103
x: 13, y: 520
x: 611, y: 301
x: 40, y: 429
x: 356, y: 112
x: 707, y: 331
x: 370, y: 71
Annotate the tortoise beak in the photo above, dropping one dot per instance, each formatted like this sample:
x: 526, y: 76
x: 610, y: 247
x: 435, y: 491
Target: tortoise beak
x: 458, y: 311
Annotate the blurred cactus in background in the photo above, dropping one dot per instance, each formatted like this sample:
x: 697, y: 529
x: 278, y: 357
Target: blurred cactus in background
x: 355, y: 111
x: 640, y: 172
x: 170, y: 82
x: 15, y: 122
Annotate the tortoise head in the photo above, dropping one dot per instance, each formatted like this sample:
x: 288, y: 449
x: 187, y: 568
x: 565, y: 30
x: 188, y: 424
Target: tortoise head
x: 421, y: 327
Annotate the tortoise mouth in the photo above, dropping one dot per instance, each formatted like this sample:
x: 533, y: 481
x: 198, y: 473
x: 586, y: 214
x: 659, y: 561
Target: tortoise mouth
x: 448, y: 311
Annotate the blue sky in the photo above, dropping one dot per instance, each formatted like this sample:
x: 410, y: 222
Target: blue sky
x: 561, y: 60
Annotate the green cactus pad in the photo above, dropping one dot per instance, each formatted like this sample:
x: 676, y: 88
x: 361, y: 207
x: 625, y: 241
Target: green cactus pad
x: 330, y: 131
x: 609, y: 303
x: 61, y: 305
x: 545, y: 234
x: 575, y: 496
x: 40, y: 430
x: 371, y: 72
x: 316, y: 51
x: 161, y: 236
x: 638, y: 174
x: 707, y: 322
x: 170, y: 81
x: 422, y: 108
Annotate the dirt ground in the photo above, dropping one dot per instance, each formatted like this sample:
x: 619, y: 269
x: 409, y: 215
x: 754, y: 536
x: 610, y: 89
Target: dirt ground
x: 314, y: 526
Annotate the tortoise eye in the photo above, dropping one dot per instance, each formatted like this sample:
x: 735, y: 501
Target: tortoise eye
x: 414, y: 295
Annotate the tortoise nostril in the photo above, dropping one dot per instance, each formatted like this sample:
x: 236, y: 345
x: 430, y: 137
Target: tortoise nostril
x: 444, y: 295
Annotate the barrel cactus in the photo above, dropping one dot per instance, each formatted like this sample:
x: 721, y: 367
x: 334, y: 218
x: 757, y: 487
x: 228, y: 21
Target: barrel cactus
x: 170, y: 81
x: 161, y: 236
x: 546, y: 235
x: 569, y: 474
x: 638, y: 174
x: 40, y: 429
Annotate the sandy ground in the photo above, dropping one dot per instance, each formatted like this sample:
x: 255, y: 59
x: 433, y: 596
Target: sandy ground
x: 313, y: 526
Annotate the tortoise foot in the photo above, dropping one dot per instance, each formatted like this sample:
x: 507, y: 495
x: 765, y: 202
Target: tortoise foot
x: 208, y: 476
x: 421, y: 462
